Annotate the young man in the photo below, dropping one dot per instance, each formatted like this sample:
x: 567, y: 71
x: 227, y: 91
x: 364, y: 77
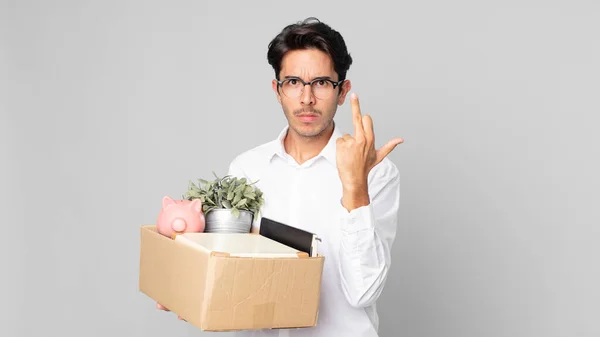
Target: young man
x: 335, y: 185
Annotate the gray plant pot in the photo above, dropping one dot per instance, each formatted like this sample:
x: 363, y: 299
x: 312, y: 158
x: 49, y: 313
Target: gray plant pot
x: 222, y: 221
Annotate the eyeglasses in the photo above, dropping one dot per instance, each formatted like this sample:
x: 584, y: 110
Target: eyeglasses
x: 322, y: 88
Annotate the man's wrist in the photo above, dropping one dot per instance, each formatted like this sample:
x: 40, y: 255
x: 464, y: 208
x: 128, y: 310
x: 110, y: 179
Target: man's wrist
x: 355, y: 196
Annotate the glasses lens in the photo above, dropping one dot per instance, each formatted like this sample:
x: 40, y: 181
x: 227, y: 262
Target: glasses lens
x: 322, y: 89
x: 292, y: 88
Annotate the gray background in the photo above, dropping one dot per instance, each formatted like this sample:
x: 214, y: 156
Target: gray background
x: 108, y: 106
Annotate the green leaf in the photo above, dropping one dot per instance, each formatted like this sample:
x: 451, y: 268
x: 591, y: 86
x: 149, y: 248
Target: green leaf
x: 226, y: 204
x: 235, y: 212
x: 219, y: 196
x: 241, y: 203
x: 238, y: 197
x: 207, y: 208
x: 208, y: 199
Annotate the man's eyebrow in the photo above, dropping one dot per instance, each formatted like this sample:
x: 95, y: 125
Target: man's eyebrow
x: 316, y: 78
x: 322, y: 78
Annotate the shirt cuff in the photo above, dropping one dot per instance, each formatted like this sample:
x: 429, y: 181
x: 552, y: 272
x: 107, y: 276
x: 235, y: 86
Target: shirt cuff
x: 356, y: 220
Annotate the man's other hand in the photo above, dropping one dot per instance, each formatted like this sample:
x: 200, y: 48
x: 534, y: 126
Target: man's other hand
x: 162, y: 307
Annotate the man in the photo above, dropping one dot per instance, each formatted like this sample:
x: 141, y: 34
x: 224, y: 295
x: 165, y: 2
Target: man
x: 335, y: 185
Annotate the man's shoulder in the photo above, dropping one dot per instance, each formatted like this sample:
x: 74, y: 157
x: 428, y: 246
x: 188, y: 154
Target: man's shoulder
x: 257, y: 153
x: 253, y: 158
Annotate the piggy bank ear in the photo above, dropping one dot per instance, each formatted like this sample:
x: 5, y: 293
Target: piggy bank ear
x: 196, y: 205
x: 167, y: 201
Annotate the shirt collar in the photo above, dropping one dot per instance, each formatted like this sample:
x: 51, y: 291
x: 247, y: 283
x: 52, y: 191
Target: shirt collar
x: 328, y: 152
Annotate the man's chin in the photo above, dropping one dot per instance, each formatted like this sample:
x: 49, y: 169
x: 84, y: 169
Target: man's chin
x: 309, y: 131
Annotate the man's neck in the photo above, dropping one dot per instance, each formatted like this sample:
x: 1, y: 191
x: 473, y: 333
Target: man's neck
x: 305, y: 148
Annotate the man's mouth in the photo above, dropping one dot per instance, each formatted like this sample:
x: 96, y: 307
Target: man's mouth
x: 308, y: 118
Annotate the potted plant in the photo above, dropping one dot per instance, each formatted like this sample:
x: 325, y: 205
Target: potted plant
x: 229, y: 203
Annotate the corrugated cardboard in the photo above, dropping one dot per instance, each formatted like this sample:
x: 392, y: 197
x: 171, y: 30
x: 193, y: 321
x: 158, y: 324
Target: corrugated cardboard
x: 218, y: 292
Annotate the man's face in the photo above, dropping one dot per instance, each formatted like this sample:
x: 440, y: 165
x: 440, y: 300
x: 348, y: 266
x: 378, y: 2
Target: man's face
x: 308, y: 114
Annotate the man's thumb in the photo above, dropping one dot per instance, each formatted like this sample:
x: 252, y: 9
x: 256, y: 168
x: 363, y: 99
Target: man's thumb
x: 388, y: 147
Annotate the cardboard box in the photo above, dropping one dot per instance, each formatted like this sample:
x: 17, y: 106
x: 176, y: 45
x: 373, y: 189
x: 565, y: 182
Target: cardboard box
x: 217, y: 291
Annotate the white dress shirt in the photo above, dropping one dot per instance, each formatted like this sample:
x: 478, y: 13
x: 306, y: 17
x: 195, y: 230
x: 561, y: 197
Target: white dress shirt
x: 356, y: 245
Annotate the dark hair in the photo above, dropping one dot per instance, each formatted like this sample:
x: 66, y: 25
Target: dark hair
x: 310, y: 34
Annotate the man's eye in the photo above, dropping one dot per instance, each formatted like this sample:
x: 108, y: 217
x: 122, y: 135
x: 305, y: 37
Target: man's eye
x: 293, y: 82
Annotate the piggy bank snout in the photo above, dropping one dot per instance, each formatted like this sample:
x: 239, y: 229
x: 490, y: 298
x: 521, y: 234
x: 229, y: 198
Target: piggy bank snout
x: 178, y: 225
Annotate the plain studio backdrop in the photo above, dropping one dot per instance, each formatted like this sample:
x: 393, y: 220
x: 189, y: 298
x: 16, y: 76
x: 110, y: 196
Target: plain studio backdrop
x: 109, y: 106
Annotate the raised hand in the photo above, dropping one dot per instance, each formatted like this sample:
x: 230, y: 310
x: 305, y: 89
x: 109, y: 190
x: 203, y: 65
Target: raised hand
x: 356, y: 155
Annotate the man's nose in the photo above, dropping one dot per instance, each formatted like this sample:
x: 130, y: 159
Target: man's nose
x: 307, y: 96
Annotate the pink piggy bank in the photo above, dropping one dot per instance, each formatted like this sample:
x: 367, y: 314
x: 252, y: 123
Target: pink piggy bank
x: 179, y: 216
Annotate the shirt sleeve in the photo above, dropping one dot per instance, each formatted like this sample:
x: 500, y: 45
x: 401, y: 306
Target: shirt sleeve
x: 367, y: 235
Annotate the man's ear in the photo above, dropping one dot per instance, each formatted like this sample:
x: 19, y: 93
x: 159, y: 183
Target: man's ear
x: 346, y: 86
x: 274, y: 85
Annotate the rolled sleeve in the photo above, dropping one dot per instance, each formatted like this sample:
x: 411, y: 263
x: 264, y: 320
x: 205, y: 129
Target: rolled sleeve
x: 367, y: 235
